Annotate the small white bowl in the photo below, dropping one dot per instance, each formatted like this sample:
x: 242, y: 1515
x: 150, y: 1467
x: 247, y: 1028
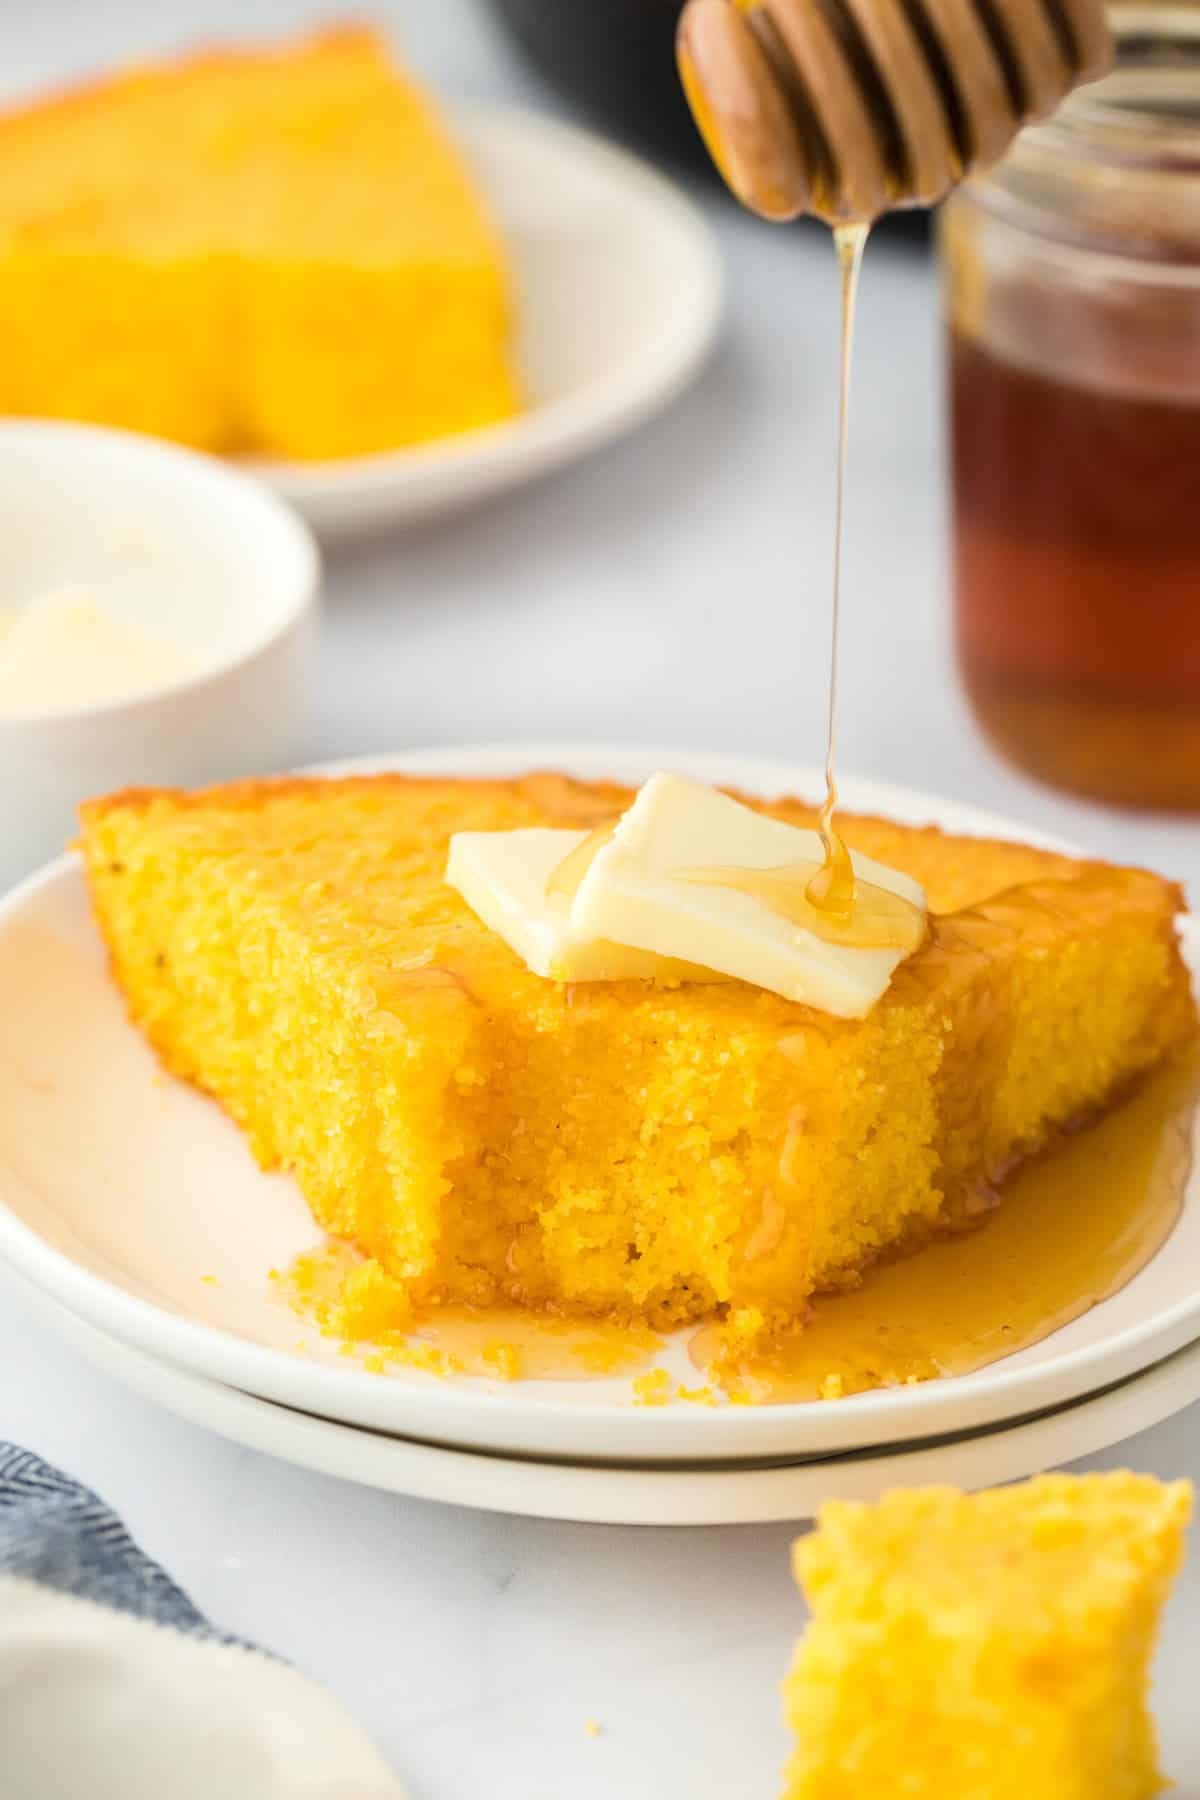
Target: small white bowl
x: 185, y: 548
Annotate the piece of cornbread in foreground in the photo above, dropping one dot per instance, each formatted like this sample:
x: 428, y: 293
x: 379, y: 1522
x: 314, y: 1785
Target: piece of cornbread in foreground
x: 610, y: 1148
x: 993, y: 1646
x: 276, y: 250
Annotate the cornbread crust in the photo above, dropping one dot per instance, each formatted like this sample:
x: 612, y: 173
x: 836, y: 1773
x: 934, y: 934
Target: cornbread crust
x: 993, y: 1646
x: 275, y: 249
x: 610, y: 1149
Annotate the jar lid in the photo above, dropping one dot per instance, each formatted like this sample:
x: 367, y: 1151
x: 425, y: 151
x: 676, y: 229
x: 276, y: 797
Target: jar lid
x: 1118, y: 166
x: 1147, y: 110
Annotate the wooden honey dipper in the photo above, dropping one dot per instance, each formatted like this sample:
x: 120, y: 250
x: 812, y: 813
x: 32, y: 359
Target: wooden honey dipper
x: 848, y: 108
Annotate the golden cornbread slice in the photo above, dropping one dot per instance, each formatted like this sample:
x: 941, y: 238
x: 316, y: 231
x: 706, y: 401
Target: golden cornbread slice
x: 993, y: 1646
x: 610, y: 1148
x: 277, y: 250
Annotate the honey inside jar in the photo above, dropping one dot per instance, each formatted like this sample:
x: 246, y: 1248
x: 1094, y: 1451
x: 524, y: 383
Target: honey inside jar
x: 1077, y: 577
x: 1073, y: 288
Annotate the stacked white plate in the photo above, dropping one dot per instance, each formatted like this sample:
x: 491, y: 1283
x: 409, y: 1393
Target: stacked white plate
x: 134, y: 1206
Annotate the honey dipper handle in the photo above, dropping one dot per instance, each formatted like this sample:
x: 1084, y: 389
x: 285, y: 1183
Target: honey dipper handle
x: 848, y: 108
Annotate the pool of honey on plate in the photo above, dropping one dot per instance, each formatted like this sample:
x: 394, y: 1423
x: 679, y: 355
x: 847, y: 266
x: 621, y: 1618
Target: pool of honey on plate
x: 1069, y: 1229
x: 506, y: 1343
x: 513, y: 1345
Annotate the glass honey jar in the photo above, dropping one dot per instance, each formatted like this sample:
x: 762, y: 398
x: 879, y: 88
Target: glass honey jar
x: 1072, y: 280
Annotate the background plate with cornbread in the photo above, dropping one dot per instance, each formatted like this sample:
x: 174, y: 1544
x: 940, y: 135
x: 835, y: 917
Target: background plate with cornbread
x: 282, y: 252
x: 620, y: 293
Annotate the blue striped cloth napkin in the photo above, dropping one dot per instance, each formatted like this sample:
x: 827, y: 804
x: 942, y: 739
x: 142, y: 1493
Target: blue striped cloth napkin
x: 114, y: 1686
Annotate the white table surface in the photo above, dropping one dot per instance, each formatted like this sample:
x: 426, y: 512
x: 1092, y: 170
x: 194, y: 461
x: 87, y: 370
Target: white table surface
x: 674, y: 589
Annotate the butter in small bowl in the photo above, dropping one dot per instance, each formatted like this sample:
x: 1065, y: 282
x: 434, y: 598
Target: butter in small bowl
x: 157, y: 615
x: 67, y: 649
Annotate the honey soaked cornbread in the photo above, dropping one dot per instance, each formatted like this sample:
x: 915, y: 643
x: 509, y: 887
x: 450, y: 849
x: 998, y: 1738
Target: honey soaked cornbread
x: 610, y: 1148
x: 993, y: 1646
x: 276, y: 250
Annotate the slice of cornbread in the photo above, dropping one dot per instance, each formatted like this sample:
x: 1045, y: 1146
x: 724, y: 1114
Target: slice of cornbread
x: 277, y: 250
x: 994, y: 1646
x: 623, y: 1148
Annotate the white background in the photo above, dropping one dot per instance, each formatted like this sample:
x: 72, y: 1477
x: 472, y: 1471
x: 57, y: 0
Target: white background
x: 673, y: 590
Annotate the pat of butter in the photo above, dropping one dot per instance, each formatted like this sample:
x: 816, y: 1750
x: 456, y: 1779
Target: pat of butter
x: 641, y: 890
x: 504, y: 877
x: 64, y: 650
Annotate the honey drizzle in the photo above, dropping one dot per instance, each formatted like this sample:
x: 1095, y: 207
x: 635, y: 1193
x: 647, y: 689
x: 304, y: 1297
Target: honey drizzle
x: 832, y: 889
x: 566, y: 876
x: 1064, y: 1231
x: 877, y: 920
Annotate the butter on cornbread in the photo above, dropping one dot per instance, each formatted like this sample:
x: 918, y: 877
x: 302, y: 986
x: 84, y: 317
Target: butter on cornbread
x: 623, y: 900
x: 277, y: 250
x: 993, y: 1646
x: 624, y: 1148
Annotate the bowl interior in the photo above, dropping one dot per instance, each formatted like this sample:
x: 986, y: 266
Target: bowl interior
x: 165, y: 540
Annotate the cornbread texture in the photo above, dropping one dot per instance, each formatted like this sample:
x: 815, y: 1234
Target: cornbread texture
x: 275, y: 250
x: 619, y: 1149
x: 994, y: 1646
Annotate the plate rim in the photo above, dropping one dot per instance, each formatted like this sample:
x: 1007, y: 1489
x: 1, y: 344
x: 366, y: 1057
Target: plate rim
x: 474, y: 1415
x: 614, y: 1495
x: 566, y: 429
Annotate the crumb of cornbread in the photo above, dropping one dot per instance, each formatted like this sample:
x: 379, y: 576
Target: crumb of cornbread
x: 652, y: 1389
x: 993, y: 1646
x: 356, y: 1303
x: 272, y: 249
x: 609, y: 1149
x: 657, y: 1389
x: 352, y: 1300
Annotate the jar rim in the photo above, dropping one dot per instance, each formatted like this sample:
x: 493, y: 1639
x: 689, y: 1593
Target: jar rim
x: 1146, y: 112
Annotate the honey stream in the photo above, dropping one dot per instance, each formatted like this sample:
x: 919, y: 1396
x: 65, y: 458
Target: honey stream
x: 832, y: 888
x: 825, y: 898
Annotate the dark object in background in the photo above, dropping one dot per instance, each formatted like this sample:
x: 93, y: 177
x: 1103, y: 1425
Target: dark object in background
x: 616, y: 58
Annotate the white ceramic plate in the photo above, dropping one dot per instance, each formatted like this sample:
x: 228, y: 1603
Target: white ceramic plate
x: 620, y: 293
x: 616, y: 1496
x: 121, y: 1191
